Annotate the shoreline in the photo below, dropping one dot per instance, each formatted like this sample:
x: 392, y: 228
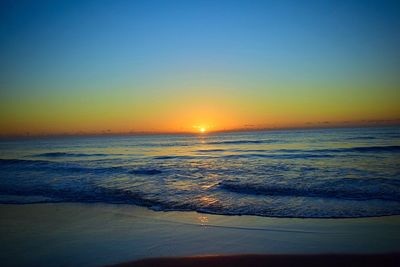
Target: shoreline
x: 196, y: 211
x: 95, y: 234
x: 327, y: 260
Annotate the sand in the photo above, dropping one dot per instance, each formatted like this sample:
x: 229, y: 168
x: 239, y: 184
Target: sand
x: 73, y: 234
x: 334, y: 260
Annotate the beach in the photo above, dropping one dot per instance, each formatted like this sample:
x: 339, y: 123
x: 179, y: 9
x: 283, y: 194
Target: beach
x: 391, y: 259
x: 97, y: 201
x: 76, y: 234
x: 199, y: 133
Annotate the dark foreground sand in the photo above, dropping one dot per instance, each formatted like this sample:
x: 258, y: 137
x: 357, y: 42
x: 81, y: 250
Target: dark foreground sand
x: 93, y: 235
x: 326, y: 260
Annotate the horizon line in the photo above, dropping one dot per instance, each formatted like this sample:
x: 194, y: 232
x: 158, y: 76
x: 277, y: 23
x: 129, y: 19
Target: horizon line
x: 307, y: 126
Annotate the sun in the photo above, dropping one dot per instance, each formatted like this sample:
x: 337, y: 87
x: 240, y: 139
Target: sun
x: 202, y: 129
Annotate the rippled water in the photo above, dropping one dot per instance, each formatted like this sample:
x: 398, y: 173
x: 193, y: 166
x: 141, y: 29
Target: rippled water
x: 308, y: 173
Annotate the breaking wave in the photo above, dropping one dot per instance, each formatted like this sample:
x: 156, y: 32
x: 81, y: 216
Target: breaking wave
x: 283, y: 174
x: 368, y: 189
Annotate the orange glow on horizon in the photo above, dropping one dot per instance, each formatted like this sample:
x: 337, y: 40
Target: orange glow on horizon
x: 201, y: 128
x: 197, y: 113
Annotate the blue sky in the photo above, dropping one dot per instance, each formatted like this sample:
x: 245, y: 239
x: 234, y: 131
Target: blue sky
x: 56, y: 50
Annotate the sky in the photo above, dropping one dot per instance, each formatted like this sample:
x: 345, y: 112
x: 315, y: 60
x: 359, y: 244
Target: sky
x: 71, y: 67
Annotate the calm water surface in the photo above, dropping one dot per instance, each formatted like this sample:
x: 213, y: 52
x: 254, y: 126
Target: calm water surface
x: 297, y: 173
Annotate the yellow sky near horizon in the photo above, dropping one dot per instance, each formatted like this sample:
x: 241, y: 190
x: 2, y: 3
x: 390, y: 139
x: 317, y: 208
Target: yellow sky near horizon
x: 189, y: 109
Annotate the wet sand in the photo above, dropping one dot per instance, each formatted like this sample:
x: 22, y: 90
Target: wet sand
x: 73, y: 234
x: 334, y: 260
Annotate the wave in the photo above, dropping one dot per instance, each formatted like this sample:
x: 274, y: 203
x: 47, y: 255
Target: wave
x: 371, y: 149
x: 82, y: 194
x: 367, y: 189
x: 321, y: 174
x: 146, y: 171
x: 300, y: 153
x: 278, y: 156
x: 29, y: 199
x: 43, y: 165
x: 66, y: 154
x: 234, y: 142
x: 159, y: 203
x: 394, y: 149
x: 244, y: 156
x: 160, y: 144
x: 361, y: 138
x: 179, y: 157
x: 247, y: 153
x: 210, y: 150
x: 4, y: 162
x: 87, y: 192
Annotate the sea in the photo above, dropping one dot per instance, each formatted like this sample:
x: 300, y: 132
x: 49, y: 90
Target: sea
x: 312, y: 173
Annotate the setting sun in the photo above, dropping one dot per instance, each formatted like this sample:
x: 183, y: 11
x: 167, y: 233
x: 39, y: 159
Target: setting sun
x: 202, y: 130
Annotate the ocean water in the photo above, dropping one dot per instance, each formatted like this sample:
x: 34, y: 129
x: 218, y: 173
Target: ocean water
x: 327, y: 173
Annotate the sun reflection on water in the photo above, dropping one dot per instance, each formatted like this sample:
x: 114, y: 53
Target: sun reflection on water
x: 206, y: 200
x: 203, y: 220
